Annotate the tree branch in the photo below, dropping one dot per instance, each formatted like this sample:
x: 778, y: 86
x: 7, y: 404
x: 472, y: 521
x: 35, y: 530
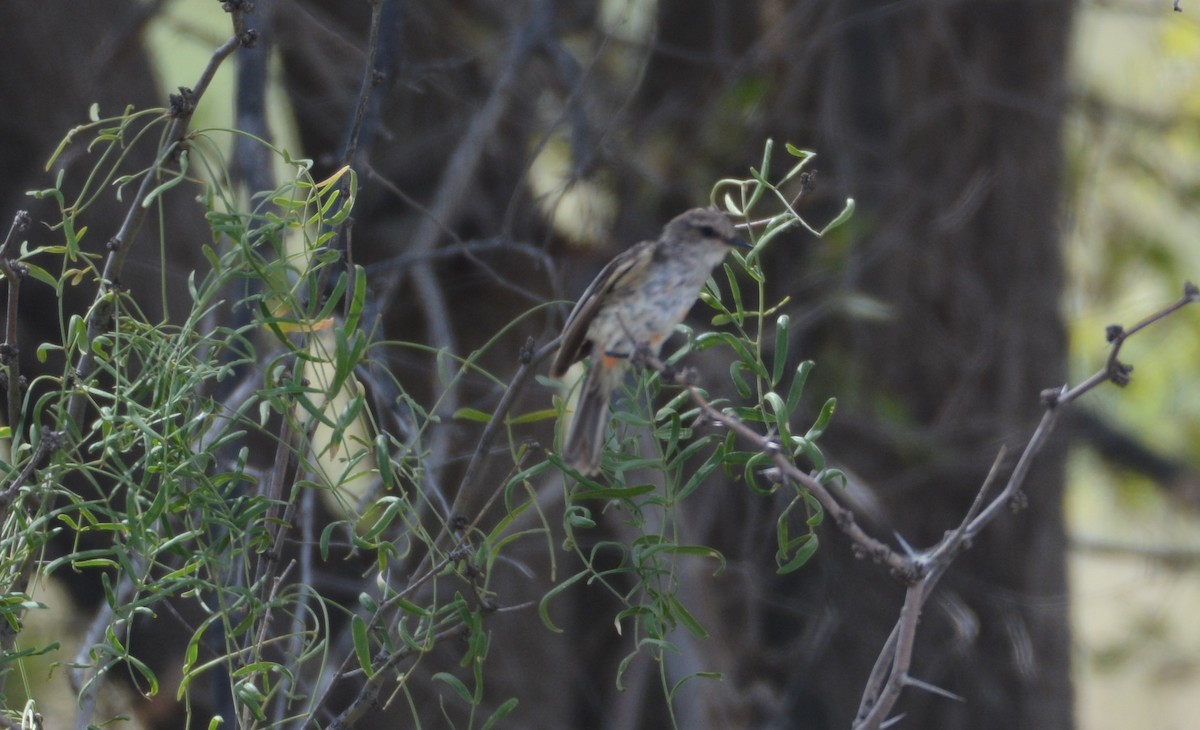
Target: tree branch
x: 922, y: 571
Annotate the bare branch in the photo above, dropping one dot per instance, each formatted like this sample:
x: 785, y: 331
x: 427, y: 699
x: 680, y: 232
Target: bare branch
x: 922, y: 571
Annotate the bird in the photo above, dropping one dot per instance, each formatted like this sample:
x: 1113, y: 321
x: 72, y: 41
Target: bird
x: 633, y: 305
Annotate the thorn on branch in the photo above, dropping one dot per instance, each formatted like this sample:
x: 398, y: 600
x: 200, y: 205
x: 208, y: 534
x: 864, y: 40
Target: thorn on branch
x: 913, y: 572
x: 1018, y: 502
x: 1118, y: 372
x: 772, y: 474
x: 525, y: 356
x: 1050, y: 396
x: 844, y: 519
x: 808, y: 182
x: 462, y: 552
x: 182, y: 104
x: 52, y: 441
x: 18, y: 269
x: 22, y: 382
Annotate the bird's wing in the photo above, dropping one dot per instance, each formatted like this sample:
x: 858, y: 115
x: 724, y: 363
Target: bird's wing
x: 574, y: 336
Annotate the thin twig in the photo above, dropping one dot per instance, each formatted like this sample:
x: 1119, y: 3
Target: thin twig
x: 9, y: 350
x: 49, y: 441
x: 878, y: 699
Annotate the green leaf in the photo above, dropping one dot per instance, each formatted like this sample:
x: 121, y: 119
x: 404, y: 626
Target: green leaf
x: 735, y: 374
x: 362, y: 646
x: 795, y: 151
x: 502, y: 711
x: 544, y: 604
x: 781, y: 349
x: 842, y: 217
x: 680, y: 613
x: 358, y: 300
x: 823, y: 419
x: 808, y: 548
x: 797, y: 387
x: 41, y: 275
x: 779, y: 410
x: 615, y: 492
x: 456, y: 684
x: 735, y: 291
x: 472, y: 414
x: 175, y: 180
x: 533, y: 416
x: 252, y: 697
x: 696, y: 479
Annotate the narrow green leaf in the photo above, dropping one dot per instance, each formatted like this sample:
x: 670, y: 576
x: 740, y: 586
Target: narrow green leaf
x: 797, y: 387
x: 544, y: 604
x: 739, y: 382
x: 455, y: 683
x: 472, y: 414
x: 175, y: 180
x: 781, y: 349
x: 383, y: 458
x: 362, y: 646
x: 41, y: 275
x: 680, y: 613
x: 842, y: 217
x: 534, y: 416
x: 823, y: 419
x: 779, y: 410
x: 615, y: 492
x: 807, y: 549
x: 795, y: 151
x: 693, y: 483
x: 735, y: 291
x: 357, y: 300
x: 501, y: 712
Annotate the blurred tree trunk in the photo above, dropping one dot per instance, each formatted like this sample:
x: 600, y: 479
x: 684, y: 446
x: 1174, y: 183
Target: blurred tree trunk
x: 943, y: 120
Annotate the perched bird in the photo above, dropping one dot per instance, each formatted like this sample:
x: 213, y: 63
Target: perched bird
x: 634, y: 302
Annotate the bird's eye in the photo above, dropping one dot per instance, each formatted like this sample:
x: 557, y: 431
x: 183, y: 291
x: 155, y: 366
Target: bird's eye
x: 708, y: 232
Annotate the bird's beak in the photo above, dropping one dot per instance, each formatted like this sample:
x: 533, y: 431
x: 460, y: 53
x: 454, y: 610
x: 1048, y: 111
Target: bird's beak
x: 739, y: 242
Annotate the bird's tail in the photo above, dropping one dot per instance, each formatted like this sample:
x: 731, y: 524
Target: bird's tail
x: 585, y: 433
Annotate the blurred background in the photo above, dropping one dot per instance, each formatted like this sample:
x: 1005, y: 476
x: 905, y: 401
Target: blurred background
x: 1025, y: 174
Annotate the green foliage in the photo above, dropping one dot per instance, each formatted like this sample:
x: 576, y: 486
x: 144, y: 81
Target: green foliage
x: 182, y: 459
x: 155, y: 486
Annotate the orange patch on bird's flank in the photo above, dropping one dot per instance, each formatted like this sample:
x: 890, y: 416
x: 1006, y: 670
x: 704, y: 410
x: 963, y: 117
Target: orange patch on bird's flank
x: 608, y: 362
